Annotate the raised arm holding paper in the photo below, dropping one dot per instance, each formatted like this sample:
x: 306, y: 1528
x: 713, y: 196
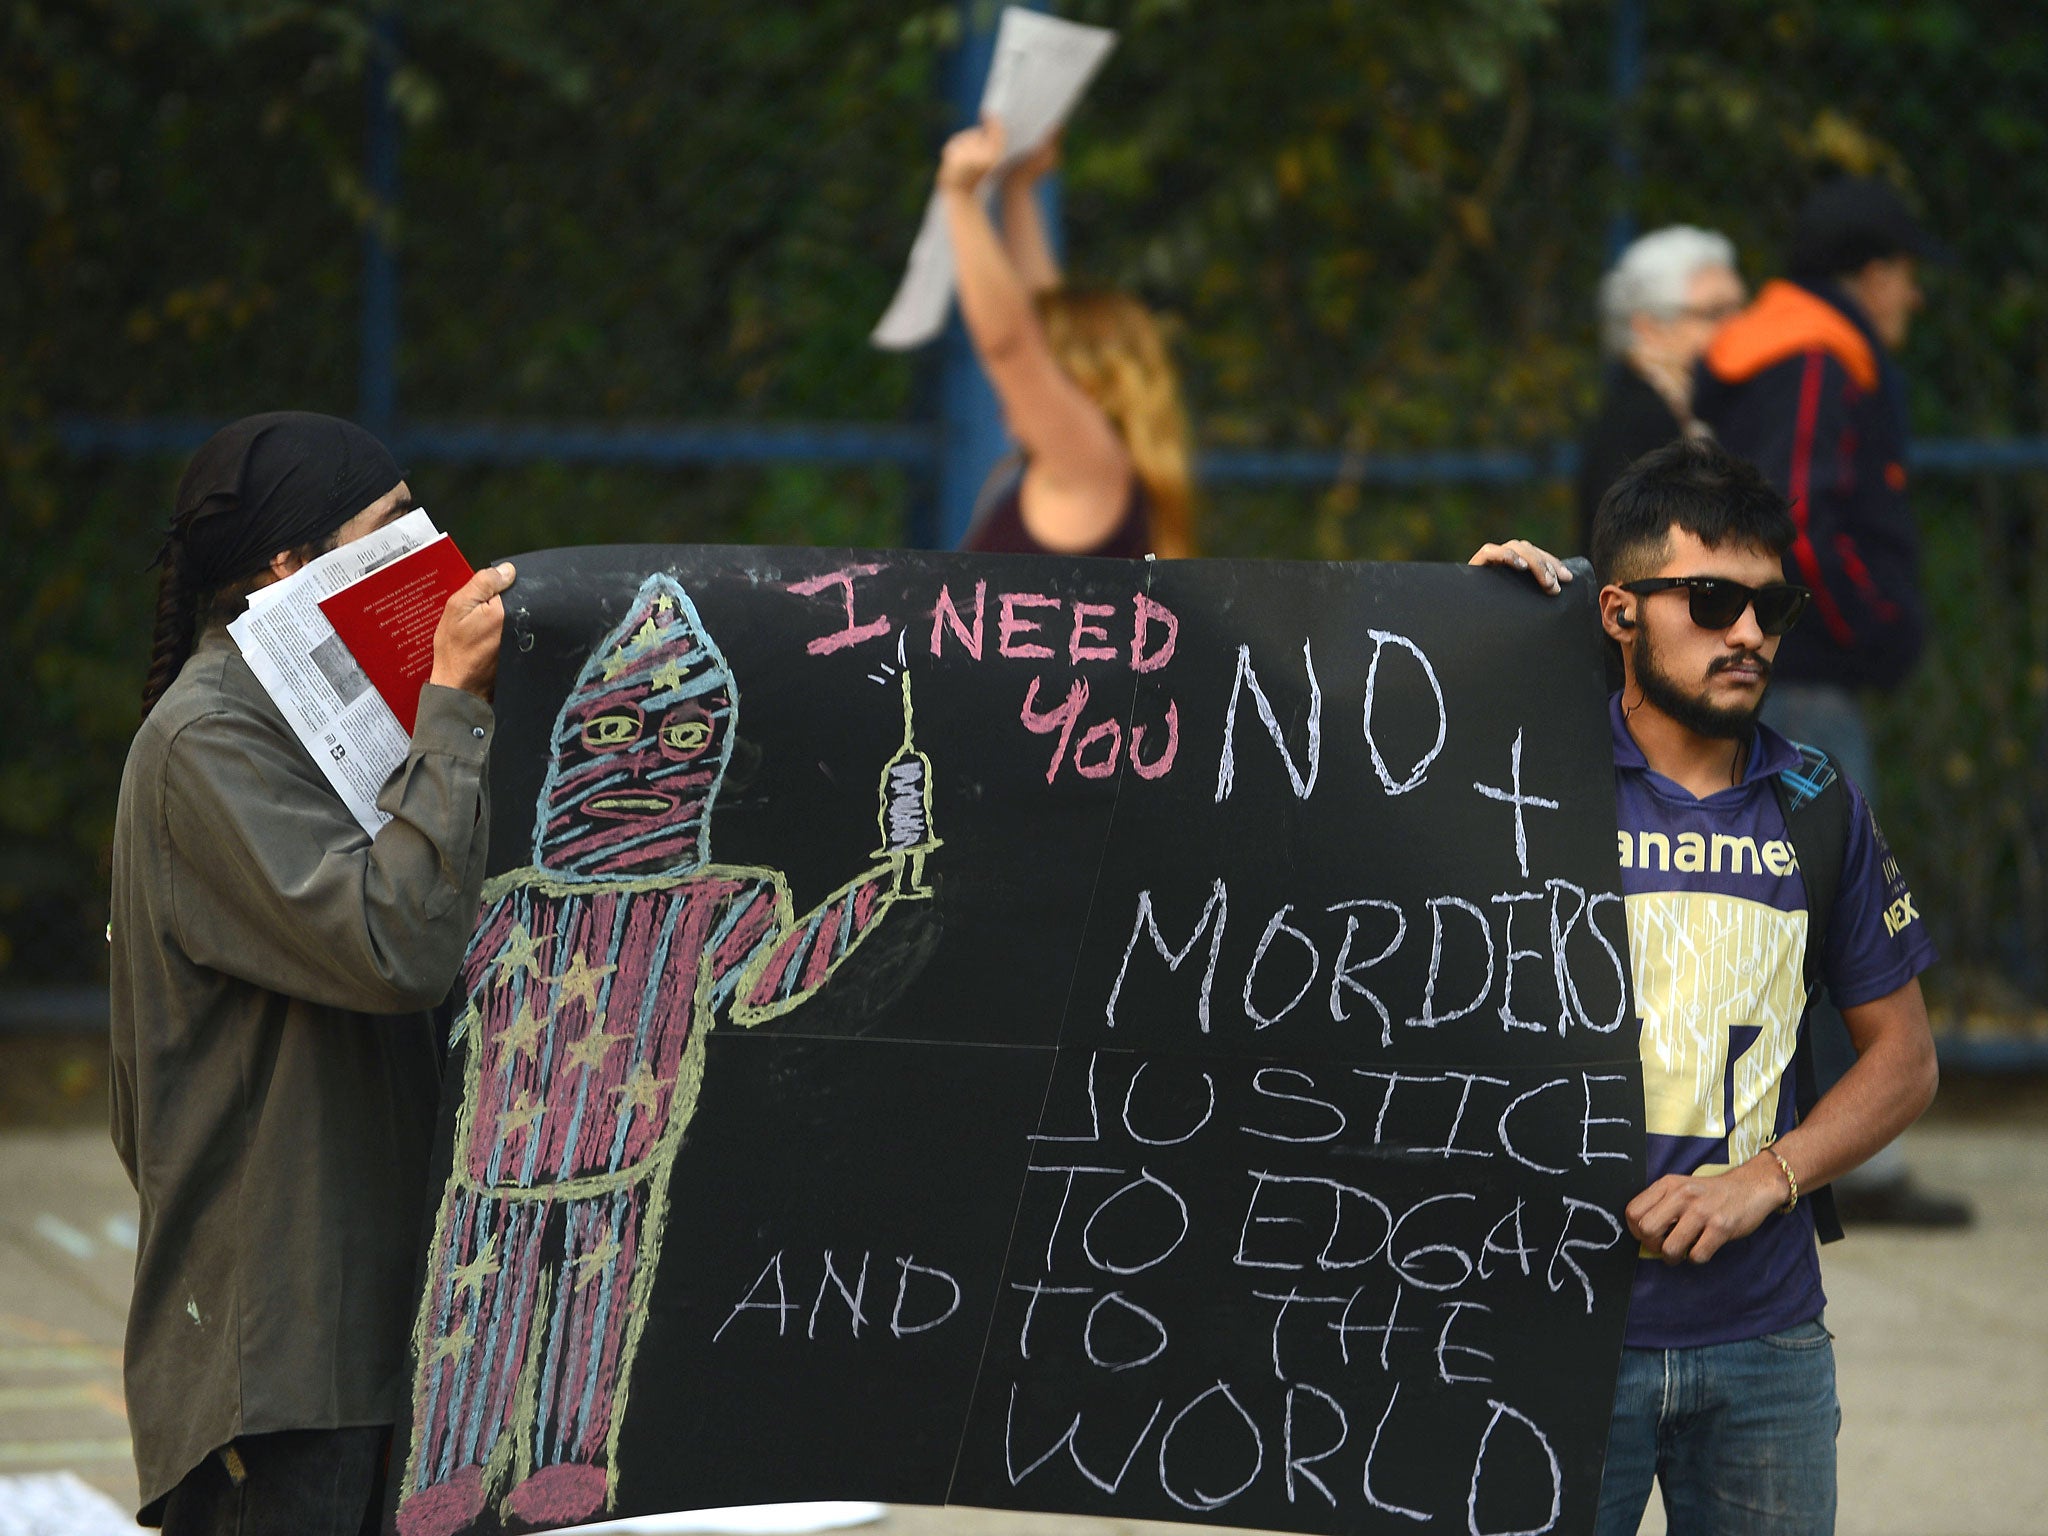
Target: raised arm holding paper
x: 1086, y: 384
x: 1042, y: 66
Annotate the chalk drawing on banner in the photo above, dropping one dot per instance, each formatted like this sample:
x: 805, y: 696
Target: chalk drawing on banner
x: 593, y: 980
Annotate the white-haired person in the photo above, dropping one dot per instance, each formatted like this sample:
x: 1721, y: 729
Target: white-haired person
x: 1660, y: 305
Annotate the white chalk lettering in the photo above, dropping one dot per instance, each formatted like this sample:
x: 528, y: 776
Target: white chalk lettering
x: 1507, y: 936
x: 1215, y: 912
x: 1386, y: 1506
x: 1341, y: 979
x: 1409, y: 1265
x: 852, y: 1296
x: 1136, y: 1135
x: 1066, y: 1194
x: 1035, y: 1289
x: 1514, y: 797
x: 1286, y: 1300
x: 1260, y: 1082
x: 896, y: 1324
x: 1450, y: 1148
x: 1444, y: 1346
x: 1067, y: 1441
x: 1429, y: 1018
x: 1589, y: 1120
x: 1507, y: 1142
x: 1560, y: 934
x: 780, y: 1306
x: 1094, y: 1115
x: 1144, y: 1180
x: 1393, y: 1080
x: 1301, y: 1464
x: 1566, y: 1243
x: 1521, y: 1253
x: 1274, y: 929
x: 1344, y: 1327
x: 1381, y: 639
x: 1326, y: 1258
x: 1226, y: 767
x: 1195, y: 1498
x: 1096, y: 1357
x: 1500, y: 1411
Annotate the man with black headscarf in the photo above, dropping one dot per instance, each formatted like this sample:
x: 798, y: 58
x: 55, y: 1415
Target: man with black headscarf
x: 272, y: 968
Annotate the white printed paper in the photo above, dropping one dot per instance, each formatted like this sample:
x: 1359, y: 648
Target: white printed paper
x: 1042, y: 65
x: 59, y: 1504
x: 313, y: 679
x: 746, y: 1520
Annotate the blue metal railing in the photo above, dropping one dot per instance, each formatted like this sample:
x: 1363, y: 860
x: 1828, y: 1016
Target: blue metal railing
x: 915, y: 446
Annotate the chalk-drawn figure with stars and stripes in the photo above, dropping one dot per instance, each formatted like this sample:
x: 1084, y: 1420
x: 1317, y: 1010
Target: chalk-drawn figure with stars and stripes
x: 592, y: 982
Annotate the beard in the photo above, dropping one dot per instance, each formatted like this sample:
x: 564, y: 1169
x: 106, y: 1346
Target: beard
x: 1691, y: 709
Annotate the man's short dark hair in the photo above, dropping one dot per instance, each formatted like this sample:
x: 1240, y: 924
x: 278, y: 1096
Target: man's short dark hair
x: 1716, y: 497
x: 1850, y: 222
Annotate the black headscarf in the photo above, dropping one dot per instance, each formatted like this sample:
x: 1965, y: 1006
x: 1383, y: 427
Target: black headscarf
x: 269, y: 483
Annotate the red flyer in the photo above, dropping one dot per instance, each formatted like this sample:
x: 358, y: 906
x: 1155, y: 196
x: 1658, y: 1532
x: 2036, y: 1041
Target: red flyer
x: 387, y: 620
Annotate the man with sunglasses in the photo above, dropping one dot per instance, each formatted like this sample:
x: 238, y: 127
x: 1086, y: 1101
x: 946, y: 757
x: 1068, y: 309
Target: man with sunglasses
x: 1726, y: 1394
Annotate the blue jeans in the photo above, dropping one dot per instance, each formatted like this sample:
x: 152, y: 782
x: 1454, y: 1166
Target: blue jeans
x: 1741, y: 1437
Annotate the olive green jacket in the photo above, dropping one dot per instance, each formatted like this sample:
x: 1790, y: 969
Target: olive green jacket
x: 274, y: 1071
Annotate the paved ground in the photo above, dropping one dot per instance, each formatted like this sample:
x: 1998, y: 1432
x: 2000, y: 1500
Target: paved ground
x: 1942, y: 1341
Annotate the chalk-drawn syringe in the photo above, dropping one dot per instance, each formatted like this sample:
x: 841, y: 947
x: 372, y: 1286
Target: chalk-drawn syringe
x: 906, y: 812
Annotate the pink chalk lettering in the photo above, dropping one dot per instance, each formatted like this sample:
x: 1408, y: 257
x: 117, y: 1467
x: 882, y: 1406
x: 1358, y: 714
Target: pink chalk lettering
x: 1013, y: 625
x: 1078, y: 647
x: 1108, y: 731
x: 1159, y: 766
x: 1061, y: 719
x: 854, y: 633
x: 945, y: 615
x: 1149, y: 612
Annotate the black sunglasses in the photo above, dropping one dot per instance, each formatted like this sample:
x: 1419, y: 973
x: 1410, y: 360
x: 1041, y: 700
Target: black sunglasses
x: 1716, y: 602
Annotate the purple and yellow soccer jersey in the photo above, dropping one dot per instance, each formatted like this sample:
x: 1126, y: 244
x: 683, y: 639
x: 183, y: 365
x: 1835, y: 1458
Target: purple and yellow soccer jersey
x: 1717, y: 932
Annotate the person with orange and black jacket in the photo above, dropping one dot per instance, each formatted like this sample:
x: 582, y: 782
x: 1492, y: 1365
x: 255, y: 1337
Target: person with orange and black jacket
x: 1802, y: 384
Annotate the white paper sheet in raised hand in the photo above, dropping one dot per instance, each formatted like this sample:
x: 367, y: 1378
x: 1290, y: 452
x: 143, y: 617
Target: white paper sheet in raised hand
x: 59, y: 1504
x: 343, y: 722
x: 744, y: 1520
x: 1042, y: 65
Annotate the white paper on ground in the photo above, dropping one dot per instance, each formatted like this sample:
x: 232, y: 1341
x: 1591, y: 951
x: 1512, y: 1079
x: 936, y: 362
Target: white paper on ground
x: 747, y: 1520
x: 59, y: 1504
x: 1041, y: 67
x: 343, y: 722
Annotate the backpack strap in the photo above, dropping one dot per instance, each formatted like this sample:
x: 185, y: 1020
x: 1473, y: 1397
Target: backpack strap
x: 1815, y: 802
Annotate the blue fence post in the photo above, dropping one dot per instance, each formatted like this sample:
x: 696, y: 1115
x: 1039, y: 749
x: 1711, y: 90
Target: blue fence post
x: 1625, y: 83
x: 971, y: 436
x: 377, y: 376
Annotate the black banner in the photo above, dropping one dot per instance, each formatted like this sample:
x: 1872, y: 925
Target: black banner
x: 1146, y: 1040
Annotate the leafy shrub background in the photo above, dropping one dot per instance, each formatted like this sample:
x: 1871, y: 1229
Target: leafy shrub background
x: 1373, y: 225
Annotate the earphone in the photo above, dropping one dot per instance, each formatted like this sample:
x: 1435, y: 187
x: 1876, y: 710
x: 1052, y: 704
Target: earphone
x: 1623, y: 621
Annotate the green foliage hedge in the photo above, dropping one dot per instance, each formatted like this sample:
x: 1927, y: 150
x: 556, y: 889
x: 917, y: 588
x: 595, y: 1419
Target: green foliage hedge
x: 1373, y: 225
